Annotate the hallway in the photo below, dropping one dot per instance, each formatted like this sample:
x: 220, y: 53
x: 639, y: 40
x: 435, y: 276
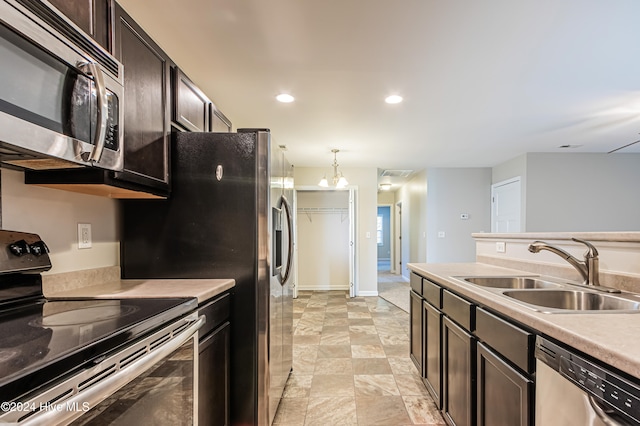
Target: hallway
x: 351, y: 365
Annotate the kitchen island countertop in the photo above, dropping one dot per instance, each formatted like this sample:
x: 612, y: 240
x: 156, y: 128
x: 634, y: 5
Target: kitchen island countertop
x: 609, y: 337
x: 202, y: 289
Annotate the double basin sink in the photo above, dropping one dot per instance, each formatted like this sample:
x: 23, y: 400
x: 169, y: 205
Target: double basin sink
x: 549, y: 296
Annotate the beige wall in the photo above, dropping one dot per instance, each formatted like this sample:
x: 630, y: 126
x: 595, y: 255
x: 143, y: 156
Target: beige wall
x: 576, y: 191
x: 386, y: 197
x: 54, y: 215
x: 365, y: 179
x: 413, y: 197
x: 452, y: 192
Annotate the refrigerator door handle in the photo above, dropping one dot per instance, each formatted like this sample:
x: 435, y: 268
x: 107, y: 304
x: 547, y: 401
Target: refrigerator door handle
x: 287, y: 209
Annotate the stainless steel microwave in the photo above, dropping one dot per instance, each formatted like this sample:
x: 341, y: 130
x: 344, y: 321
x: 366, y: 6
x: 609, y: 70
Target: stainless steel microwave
x: 60, y: 92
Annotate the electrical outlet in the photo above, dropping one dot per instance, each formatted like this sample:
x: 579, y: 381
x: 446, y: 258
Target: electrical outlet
x: 440, y: 234
x: 84, y: 235
x: 501, y: 247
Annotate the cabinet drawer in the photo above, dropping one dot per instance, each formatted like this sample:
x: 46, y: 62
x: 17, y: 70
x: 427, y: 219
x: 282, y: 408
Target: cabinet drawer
x: 216, y: 312
x: 458, y: 309
x: 416, y: 283
x: 432, y: 292
x: 514, y: 343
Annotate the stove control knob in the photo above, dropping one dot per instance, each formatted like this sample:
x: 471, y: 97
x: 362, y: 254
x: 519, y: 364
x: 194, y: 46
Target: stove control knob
x: 39, y: 248
x: 20, y: 248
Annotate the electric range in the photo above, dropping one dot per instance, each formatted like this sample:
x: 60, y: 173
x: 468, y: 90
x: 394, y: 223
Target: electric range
x: 43, y: 342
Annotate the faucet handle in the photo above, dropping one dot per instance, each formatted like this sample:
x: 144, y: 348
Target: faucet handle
x: 591, y: 252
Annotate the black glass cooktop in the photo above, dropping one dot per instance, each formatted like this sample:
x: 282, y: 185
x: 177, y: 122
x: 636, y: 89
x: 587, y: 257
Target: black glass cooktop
x: 43, y: 340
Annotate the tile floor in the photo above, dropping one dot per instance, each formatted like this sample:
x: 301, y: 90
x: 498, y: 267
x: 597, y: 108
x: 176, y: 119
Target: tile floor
x: 351, y: 365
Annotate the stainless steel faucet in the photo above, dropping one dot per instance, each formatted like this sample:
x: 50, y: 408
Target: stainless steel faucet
x: 588, y: 268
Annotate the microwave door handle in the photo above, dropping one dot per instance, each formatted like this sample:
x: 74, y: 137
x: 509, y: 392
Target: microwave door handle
x: 101, y: 99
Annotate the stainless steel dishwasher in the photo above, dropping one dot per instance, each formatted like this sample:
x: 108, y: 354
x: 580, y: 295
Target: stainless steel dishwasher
x: 573, y: 391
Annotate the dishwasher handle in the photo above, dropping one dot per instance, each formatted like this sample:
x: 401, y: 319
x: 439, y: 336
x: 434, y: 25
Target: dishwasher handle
x: 604, y: 413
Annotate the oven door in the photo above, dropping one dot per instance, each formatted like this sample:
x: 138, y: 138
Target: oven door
x: 151, y: 381
x: 56, y: 100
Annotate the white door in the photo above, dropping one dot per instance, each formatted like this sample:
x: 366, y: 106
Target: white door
x: 295, y: 245
x: 506, y: 206
x: 398, y: 241
x: 352, y: 243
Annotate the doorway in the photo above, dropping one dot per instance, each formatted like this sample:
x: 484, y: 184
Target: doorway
x: 383, y: 238
x: 506, y: 206
x: 391, y: 285
x: 325, y: 235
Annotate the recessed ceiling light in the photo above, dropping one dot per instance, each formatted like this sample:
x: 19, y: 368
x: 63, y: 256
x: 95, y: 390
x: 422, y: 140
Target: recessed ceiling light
x: 393, y: 99
x: 285, y: 98
x: 569, y: 146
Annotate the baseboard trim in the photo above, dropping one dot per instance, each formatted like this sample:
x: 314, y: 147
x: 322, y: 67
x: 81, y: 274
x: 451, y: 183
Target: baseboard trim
x: 322, y: 288
x: 367, y: 293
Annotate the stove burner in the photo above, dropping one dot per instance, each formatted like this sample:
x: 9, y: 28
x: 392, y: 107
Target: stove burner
x: 88, y: 315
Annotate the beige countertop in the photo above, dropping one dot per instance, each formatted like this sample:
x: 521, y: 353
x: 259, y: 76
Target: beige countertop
x: 202, y: 289
x: 633, y: 236
x: 612, y: 338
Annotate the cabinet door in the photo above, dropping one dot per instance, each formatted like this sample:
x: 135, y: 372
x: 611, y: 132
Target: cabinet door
x: 504, y: 395
x: 458, y: 375
x: 146, y: 106
x: 91, y: 16
x: 190, y: 105
x: 432, y: 371
x: 213, y: 377
x: 415, y: 343
x: 219, y: 122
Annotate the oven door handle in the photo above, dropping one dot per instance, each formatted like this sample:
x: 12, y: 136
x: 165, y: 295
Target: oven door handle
x: 73, y: 407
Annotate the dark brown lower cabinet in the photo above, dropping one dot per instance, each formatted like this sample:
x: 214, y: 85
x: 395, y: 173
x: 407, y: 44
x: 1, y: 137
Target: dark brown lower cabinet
x: 504, y: 394
x: 432, y: 367
x: 458, y: 375
x: 415, y: 338
x: 213, y: 377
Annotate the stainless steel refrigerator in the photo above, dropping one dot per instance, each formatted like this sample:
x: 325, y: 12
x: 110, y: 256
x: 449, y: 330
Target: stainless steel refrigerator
x: 229, y: 216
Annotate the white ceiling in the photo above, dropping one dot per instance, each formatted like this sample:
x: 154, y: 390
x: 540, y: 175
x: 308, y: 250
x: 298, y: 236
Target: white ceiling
x: 483, y: 81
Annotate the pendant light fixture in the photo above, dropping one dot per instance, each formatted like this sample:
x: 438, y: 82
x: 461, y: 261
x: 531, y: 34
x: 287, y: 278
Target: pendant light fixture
x: 339, y: 181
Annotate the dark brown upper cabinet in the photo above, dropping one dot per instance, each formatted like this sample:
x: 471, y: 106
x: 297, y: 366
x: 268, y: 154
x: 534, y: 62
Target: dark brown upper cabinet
x: 219, y: 122
x: 146, y: 126
x: 147, y: 122
x: 91, y: 16
x: 190, y: 104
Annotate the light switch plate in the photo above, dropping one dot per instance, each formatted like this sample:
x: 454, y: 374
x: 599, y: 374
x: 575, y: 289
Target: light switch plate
x: 84, y: 235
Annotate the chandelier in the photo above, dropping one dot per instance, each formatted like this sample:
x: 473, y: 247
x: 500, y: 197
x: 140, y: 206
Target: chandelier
x: 338, y: 180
